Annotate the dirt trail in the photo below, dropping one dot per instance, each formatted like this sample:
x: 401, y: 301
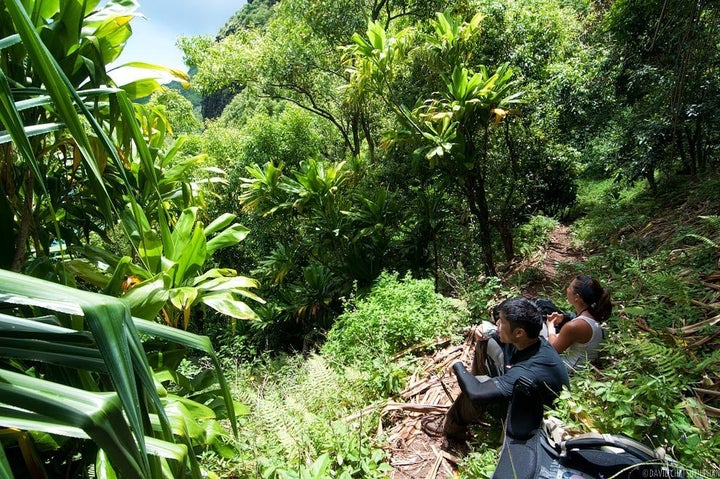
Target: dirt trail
x: 413, y: 453
x: 559, y: 250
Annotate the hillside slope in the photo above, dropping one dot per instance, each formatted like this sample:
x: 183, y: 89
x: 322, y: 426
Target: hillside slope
x: 661, y: 258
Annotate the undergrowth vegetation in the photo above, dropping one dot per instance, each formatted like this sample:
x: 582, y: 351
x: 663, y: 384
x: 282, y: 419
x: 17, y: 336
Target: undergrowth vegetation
x: 305, y: 418
x: 655, y: 257
x: 266, y: 230
x: 296, y: 424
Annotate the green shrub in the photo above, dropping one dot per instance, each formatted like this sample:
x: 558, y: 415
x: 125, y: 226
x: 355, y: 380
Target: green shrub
x: 393, y: 316
x: 534, y: 234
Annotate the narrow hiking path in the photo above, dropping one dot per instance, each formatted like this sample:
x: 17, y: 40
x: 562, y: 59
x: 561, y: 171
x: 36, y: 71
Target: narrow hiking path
x: 413, y: 453
x: 559, y: 249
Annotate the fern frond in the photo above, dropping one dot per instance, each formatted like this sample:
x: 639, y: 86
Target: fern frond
x: 669, y: 366
x: 705, y: 240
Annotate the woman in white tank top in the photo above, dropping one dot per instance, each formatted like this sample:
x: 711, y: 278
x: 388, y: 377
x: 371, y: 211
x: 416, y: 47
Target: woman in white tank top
x: 580, y: 339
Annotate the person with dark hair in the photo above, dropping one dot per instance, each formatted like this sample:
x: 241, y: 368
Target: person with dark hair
x: 579, y: 340
x: 524, y: 354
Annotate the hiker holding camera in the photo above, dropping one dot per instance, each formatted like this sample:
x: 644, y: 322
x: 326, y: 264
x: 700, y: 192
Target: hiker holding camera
x: 579, y: 339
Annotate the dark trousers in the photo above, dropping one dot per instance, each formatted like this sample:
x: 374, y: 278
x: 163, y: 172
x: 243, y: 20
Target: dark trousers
x: 463, y: 411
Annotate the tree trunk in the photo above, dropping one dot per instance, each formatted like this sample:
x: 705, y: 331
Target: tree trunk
x: 355, y: 127
x: 475, y: 192
x: 650, y: 177
x: 436, y: 263
x: 368, y: 137
x: 506, y: 235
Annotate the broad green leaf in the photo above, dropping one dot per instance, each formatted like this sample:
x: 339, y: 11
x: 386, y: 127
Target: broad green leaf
x: 180, y: 75
x: 226, y: 283
x: 24, y: 420
x: 38, y: 101
x: 219, y: 223
x: 10, y: 41
x: 148, y: 298
x: 151, y: 249
x: 185, y: 421
x: 183, y: 297
x: 228, y: 237
x: 185, y: 338
x: 226, y: 304
x: 111, y: 35
x: 114, y: 333
x: 183, y: 230
x: 215, y: 273
x: 321, y: 465
x: 191, y: 258
x: 20, y: 419
x: 88, y: 272
x: 124, y: 270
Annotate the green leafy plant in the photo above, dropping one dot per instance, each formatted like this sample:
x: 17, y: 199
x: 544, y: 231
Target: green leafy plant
x: 644, y: 396
x: 72, y: 365
x: 479, y: 464
x: 534, y: 234
x: 61, y: 146
x: 174, y: 279
x: 452, y: 128
x: 395, y: 314
x: 712, y: 239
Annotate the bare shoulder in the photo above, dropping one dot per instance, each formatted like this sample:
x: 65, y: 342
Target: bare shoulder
x: 578, y: 329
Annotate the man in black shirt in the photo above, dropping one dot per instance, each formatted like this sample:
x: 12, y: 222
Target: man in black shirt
x: 524, y: 353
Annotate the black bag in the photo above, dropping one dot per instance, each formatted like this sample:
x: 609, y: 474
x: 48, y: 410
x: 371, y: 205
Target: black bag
x: 547, y: 307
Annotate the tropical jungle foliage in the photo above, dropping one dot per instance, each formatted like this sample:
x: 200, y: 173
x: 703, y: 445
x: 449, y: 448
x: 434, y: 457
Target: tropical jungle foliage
x: 84, y: 382
x: 384, y: 171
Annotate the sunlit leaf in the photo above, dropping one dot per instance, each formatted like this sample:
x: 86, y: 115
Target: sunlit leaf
x: 226, y: 304
x: 228, y: 237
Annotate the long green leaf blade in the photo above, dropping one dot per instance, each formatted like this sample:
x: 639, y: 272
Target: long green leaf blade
x: 109, y: 320
x: 63, y: 94
x: 194, y: 341
x: 98, y: 414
